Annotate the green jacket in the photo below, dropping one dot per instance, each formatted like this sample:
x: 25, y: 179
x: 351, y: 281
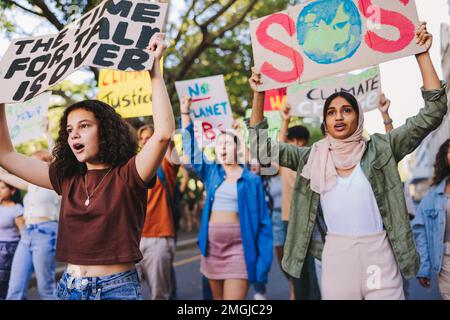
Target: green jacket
x: 380, y: 165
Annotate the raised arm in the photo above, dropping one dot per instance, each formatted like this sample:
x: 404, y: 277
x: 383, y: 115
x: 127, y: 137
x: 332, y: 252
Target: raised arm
x: 152, y: 154
x: 383, y: 107
x: 193, y: 157
x: 261, y: 146
x: 285, y: 121
x: 29, y: 169
x: 12, y: 180
x: 408, y: 137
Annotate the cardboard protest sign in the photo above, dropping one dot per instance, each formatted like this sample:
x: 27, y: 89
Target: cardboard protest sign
x: 113, y: 35
x: 325, y: 37
x: 25, y: 119
x: 275, y: 99
x: 129, y: 92
x: 308, y: 99
x: 211, y: 108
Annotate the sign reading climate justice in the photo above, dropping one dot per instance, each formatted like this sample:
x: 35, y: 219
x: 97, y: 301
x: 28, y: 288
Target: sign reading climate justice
x: 210, y: 104
x: 113, y: 35
x: 326, y: 37
x: 25, y: 119
x: 129, y: 92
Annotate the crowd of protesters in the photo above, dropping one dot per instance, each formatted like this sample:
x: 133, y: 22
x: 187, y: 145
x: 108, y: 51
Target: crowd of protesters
x: 107, y: 201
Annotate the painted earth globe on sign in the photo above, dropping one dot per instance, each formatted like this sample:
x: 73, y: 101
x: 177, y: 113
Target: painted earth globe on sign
x: 329, y: 31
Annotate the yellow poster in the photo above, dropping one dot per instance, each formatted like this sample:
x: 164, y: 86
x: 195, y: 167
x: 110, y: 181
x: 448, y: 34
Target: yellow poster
x: 130, y: 92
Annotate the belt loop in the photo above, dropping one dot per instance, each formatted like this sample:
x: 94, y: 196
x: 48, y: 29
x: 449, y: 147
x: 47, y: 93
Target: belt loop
x: 70, y: 281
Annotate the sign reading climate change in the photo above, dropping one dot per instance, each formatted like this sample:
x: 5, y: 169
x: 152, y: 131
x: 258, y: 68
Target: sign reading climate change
x: 210, y: 105
x: 325, y: 37
x: 25, y: 119
x: 113, y: 35
x: 308, y: 99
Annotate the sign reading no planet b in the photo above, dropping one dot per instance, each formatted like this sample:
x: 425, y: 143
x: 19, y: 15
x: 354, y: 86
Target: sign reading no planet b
x: 113, y: 35
x: 210, y: 104
x: 25, y: 119
x: 308, y: 99
x: 325, y: 37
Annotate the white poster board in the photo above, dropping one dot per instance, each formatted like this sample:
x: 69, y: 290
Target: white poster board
x: 320, y: 38
x: 25, y: 120
x: 308, y: 99
x: 113, y: 35
x: 211, y: 110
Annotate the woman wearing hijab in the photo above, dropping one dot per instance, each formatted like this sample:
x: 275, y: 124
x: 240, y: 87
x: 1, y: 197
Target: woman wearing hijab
x: 350, y: 188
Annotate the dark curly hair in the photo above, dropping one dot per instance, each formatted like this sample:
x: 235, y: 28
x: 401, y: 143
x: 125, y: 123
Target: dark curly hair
x: 441, y: 166
x: 116, y: 146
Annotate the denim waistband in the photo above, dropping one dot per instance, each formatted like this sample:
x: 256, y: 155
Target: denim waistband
x: 37, y: 225
x: 95, y: 283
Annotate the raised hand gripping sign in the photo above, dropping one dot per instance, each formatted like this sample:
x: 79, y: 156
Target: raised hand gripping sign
x: 325, y: 37
x: 210, y: 105
x: 113, y: 35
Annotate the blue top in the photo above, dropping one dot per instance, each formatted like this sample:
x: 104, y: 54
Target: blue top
x: 226, y: 198
x: 254, y: 217
x: 429, y: 230
x: 8, y: 228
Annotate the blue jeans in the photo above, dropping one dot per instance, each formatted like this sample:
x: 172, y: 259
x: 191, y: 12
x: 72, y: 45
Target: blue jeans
x: 36, y: 252
x: 279, y: 234
x: 7, y: 250
x: 119, y: 286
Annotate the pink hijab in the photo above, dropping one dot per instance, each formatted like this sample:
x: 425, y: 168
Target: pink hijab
x: 330, y: 154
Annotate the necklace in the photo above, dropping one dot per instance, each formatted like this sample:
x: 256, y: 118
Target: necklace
x: 89, y: 196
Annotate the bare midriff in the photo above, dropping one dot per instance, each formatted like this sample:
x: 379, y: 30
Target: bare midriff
x: 224, y: 217
x: 77, y: 271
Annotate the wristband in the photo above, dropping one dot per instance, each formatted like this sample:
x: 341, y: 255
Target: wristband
x: 388, y: 122
x: 186, y: 113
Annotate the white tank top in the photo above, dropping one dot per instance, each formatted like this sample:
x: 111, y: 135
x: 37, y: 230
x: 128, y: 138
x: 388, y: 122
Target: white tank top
x: 350, y: 207
x: 41, y: 203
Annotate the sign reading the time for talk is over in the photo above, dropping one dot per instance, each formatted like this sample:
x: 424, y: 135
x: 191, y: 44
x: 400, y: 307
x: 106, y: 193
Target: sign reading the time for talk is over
x: 113, y: 35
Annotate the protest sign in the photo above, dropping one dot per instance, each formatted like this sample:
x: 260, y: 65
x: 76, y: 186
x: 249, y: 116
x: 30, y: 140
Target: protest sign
x: 308, y: 99
x: 275, y: 99
x: 320, y: 38
x: 210, y: 108
x: 113, y: 35
x: 25, y: 120
x: 129, y: 92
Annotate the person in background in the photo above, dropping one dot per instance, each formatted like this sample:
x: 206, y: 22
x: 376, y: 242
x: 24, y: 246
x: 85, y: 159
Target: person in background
x: 11, y: 224
x: 158, y: 235
x: 432, y: 226
x: 236, y: 233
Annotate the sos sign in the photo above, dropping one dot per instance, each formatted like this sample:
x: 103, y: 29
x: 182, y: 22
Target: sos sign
x: 325, y: 37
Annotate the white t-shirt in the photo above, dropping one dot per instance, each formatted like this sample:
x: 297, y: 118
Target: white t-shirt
x: 41, y: 203
x: 350, y: 207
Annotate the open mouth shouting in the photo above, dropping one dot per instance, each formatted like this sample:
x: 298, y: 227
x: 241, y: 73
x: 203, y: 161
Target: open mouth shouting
x: 340, y: 127
x: 78, y: 148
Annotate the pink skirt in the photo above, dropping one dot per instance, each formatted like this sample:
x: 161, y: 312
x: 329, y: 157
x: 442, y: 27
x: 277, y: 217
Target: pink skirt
x: 225, y: 255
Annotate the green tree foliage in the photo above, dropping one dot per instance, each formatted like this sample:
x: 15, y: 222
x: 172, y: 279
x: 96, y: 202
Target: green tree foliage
x: 211, y: 37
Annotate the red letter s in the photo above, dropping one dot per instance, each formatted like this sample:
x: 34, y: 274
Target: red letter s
x: 395, y: 19
x: 277, y: 46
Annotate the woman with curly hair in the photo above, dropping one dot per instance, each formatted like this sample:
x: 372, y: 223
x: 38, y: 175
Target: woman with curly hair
x: 103, y: 184
x: 432, y: 226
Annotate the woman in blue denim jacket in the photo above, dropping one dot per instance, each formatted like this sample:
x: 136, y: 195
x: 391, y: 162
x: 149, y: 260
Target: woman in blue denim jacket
x: 236, y: 231
x: 432, y: 226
